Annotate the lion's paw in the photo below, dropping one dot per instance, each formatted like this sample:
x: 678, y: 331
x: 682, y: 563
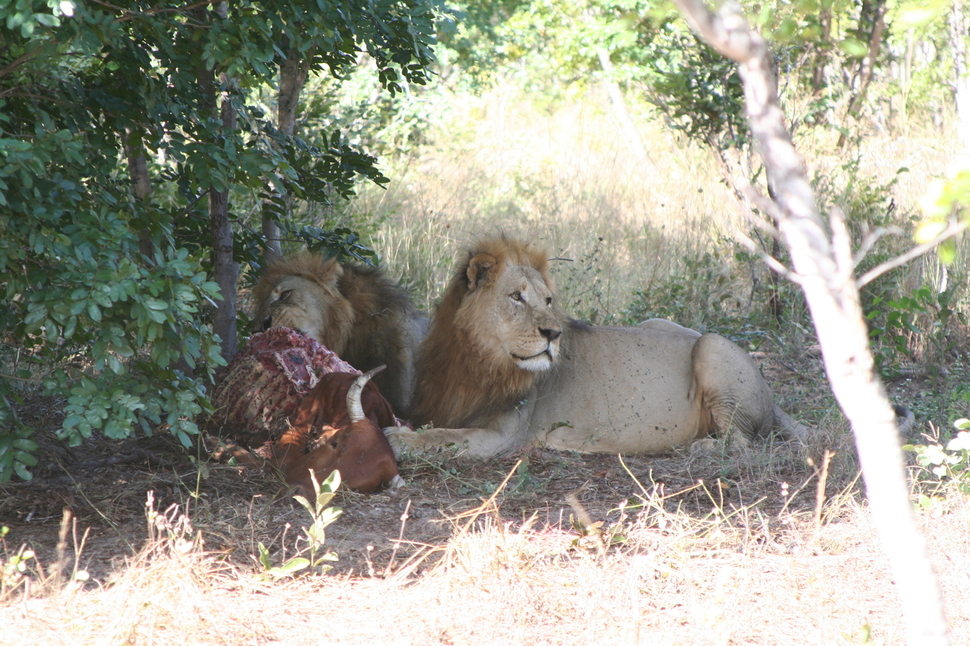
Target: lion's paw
x: 705, y: 445
x: 402, y: 439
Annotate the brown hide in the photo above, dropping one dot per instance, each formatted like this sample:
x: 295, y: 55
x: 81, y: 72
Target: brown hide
x: 322, y: 438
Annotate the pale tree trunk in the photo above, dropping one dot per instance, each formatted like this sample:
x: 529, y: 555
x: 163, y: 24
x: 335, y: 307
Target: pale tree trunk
x: 631, y: 136
x: 293, y: 74
x: 824, y: 269
x: 959, y: 32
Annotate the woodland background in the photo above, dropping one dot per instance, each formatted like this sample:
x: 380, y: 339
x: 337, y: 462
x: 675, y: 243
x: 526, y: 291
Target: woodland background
x: 154, y: 156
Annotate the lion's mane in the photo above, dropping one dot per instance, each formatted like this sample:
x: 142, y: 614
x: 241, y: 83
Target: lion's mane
x: 458, y: 382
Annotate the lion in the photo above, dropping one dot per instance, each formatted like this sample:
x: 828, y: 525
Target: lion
x: 351, y: 309
x: 503, y: 368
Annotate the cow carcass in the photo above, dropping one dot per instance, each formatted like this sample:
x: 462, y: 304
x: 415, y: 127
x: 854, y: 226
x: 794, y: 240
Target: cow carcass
x: 260, y: 393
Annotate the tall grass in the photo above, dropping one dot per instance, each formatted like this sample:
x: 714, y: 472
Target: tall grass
x: 565, y: 181
x: 636, y: 237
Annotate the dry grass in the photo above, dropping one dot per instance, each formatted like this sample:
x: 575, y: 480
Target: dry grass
x: 770, y: 546
x: 683, y: 549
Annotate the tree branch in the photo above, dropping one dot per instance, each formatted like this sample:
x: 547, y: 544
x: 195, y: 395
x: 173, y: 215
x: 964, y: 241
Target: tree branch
x: 825, y: 266
x: 953, y: 229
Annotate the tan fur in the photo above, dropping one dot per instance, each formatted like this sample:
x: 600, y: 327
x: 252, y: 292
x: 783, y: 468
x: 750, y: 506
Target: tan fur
x: 351, y: 309
x: 461, y: 382
x: 495, y: 365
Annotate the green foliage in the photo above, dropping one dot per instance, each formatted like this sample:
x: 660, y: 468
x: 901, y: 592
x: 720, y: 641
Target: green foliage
x: 13, y: 570
x: 697, y: 90
x: 703, y: 293
x: 105, y: 290
x: 942, y: 465
x: 322, y: 515
x: 16, y: 447
x: 925, y: 315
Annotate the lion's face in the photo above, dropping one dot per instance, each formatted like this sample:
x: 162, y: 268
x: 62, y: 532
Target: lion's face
x: 302, y: 294
x: 294, y: 302
x: 515, y: 314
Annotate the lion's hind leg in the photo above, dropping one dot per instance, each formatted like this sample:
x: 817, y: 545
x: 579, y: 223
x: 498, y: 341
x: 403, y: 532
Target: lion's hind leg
x: 730, y: 389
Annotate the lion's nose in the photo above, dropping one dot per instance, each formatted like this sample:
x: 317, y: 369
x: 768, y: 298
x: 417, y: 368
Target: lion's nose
x: 550, y: 333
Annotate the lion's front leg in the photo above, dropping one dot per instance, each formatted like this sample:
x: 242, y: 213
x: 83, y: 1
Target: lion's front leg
x: 470, y: 442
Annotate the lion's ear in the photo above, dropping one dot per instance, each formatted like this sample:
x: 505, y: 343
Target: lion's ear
x: 479, y: 269
x: 332, y: 270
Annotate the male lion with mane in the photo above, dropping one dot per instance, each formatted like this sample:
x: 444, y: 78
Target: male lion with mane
x: 503, y: 368
x: 351, y: 309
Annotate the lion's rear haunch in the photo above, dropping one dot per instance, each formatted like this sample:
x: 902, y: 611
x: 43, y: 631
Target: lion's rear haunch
x: 351, y: 309
x: 502, y: 361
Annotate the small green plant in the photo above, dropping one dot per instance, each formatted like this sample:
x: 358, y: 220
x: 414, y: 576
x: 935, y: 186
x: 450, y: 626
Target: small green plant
x: 315, y: 536
x: 13, y: 569
x: 896, y: 325
x: 950, y: 463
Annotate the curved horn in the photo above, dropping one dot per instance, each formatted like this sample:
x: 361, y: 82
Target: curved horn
x: 354, y: 409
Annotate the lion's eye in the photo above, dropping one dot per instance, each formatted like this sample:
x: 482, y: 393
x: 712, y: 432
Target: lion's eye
x: 517, y: 297
x: 285, y: 294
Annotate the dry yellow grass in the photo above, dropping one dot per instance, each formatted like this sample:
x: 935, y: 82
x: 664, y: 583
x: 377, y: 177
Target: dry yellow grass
x: 729, y: 578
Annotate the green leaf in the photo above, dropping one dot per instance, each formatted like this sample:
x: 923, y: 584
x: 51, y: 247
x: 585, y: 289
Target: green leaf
x: 154, y: 304
x: 853, y: 47
x: 290, y: 568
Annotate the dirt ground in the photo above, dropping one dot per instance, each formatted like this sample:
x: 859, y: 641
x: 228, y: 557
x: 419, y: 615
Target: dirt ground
x: 104, y: 484
x: 769, y: 498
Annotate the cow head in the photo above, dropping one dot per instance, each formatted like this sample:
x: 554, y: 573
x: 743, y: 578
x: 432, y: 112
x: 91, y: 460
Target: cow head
x: 338, y: 427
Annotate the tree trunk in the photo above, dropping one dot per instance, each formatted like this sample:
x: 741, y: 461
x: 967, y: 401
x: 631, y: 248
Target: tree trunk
x: 293, y: 74
x: 959, y: 31
x: 821, y: 58
x: 868, y: 64
x: 873, y: 16
x: 224, y: 268
x: 632, y: 138
x: 824, y: 269
x: 141, y: 186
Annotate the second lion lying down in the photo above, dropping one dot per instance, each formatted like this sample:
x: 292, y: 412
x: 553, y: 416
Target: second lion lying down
x: 503, y: 368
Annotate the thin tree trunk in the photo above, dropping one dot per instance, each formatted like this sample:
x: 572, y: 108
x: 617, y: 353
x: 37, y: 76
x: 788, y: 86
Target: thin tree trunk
x: 632, y: 138
x: 959, y: 32
x: 293, y: 74
x: 225, y: 269
x: 141, y: 186
x: 821, y: 57
x: 876, y: 16
x: 824, y: 269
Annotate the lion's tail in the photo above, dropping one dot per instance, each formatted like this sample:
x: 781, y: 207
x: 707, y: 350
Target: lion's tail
x: 794, y: 430
x: 789, y: 427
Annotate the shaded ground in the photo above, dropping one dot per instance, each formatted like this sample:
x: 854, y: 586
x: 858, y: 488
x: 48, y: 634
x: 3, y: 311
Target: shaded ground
x: 718, y: 547
x: 105, y: 485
